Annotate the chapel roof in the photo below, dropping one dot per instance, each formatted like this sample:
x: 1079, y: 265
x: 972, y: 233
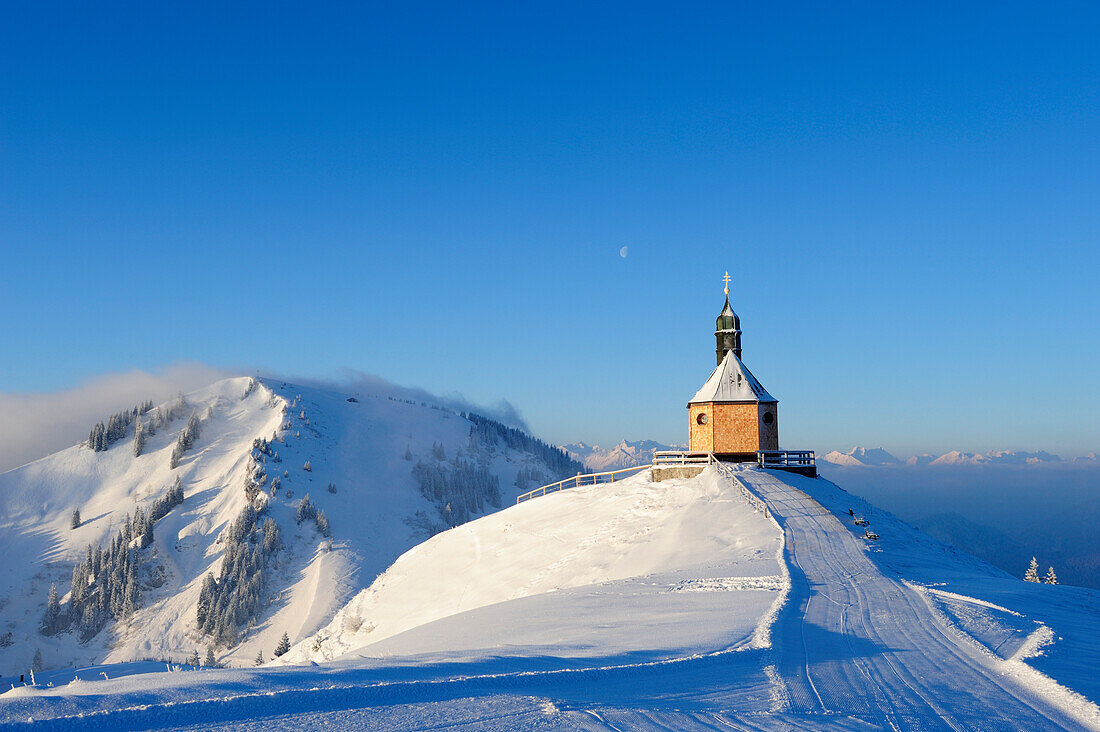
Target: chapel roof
x: 731, y: 381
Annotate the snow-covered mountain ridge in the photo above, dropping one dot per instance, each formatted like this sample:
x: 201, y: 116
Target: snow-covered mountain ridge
x: 382, y: 473
x: 626, y: 454
x: 878, y: 456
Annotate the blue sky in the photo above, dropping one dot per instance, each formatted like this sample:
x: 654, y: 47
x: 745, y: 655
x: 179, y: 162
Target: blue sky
x: 906, y: 198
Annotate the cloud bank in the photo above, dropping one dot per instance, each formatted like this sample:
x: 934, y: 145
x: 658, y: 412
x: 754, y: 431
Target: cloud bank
x: 38, y: 424
x: 352, y: 381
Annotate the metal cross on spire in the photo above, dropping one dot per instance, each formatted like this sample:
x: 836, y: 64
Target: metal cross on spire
x: 726, y: 279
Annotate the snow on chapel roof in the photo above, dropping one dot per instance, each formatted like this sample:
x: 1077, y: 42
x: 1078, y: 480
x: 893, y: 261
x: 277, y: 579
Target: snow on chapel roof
x: 731, y: 381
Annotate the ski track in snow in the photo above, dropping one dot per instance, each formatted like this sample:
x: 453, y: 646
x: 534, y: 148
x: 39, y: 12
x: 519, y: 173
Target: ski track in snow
x: 849, y: 629
x: 851, y: 648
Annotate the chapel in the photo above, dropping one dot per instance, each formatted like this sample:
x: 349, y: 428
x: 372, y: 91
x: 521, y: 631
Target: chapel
x: 732, y: 416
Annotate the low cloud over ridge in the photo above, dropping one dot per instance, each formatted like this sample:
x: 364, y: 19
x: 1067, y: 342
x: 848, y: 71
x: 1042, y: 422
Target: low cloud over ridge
x: 352, y: 381
x: 37, y: 424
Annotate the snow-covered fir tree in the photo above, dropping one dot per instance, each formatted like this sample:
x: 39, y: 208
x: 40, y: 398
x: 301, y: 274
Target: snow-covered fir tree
x: 1032, y: 574
x: 193, y: 659
x: 74, y: 523
x: 284, y: 645
x: 51, y: 618
x: 1051, y: 578
x: 36, y: 663
x: 210, y: 661
x: 259, y: 659
x: 306, y: 510
x: 139, y: 437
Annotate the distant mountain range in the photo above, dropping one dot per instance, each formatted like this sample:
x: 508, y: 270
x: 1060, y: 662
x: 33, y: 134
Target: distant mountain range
x: 626, y: 454
x: 860, y: 456
x: 629, y: 453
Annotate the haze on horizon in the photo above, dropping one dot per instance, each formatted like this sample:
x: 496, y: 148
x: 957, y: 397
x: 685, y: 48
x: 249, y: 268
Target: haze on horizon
x: 537, y: 206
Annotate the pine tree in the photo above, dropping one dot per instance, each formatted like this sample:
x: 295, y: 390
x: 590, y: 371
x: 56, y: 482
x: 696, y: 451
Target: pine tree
x: 306, y: 510
x: 53, y: 612
x: 139, y: 438
x: 75, y: 523
x: 1032, y: 574
x: 259, y: 659
x: 146, y: 532
x: 1051, y: 578
x: 210, y: 661
x: 408, y: 454
x: 284, y: 645
x: 193, y: 659
x: 206, y: 598
x: 322, y: 524
x: 37, y: 664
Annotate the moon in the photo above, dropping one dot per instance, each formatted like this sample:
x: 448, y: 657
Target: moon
x: 623, y: 252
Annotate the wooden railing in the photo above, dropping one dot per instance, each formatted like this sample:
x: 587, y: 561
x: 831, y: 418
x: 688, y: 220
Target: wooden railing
x: 754, y: 500
x: 786, y: 458
x: 608, y: 476
x: 676, y: 458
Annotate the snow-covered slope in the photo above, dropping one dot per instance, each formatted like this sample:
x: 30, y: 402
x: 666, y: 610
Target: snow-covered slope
x: 362, y: 450
x: 667, y: 546
x: 673, y: 605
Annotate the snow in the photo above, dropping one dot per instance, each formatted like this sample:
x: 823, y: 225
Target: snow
x: 636, y: 542
x: 652, y: 605
x: 731, y: 381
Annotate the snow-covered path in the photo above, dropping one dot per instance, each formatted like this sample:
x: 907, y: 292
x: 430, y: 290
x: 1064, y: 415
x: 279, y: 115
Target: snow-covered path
x: 855, y: 641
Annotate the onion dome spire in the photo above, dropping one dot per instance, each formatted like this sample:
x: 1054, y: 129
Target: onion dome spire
x: 727, y: 331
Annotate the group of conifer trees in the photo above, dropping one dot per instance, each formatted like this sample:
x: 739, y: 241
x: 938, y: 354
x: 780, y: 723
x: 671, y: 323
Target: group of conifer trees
x: 461, y: 489
x: 307, y: 511
x: 186, y: 439
x: 489, y: 432
x: 238, y: 595
x: 103, y: 435
x: 103, y: 585
x: 528, y: 475
x: 1032, y: 574
x: 208, y: 662
x: 256, y: 472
